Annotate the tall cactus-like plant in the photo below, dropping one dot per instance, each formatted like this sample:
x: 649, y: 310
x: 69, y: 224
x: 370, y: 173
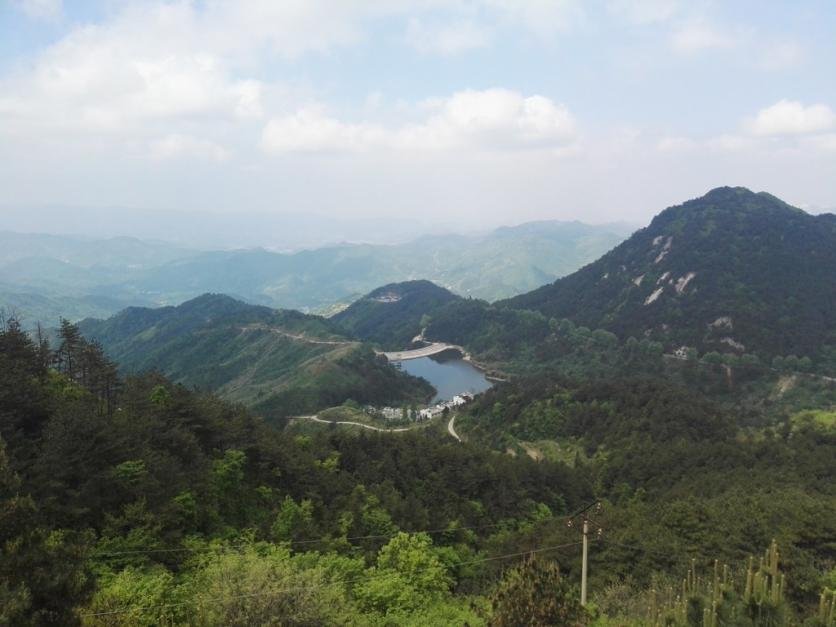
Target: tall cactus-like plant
x: 719, y: 598
x: 766, y: 584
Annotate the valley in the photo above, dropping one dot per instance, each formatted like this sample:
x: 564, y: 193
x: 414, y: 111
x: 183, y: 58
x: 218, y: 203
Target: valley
x: 652, y: 381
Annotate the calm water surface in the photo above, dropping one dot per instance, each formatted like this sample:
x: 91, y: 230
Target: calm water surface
x: 448, y: 376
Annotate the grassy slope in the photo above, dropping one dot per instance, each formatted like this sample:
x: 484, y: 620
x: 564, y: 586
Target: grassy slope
x: 279, y: 362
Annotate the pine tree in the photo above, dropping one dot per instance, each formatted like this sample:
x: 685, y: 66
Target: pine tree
x: 535, y: 594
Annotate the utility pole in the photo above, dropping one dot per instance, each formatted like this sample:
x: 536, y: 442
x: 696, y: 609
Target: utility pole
x: 583, y: 516
x: 585, y: 559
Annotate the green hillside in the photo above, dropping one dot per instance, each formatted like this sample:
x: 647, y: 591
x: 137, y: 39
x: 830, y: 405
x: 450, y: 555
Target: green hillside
x: 732, y: 271
x: 278, y: 362
x: 392, y: 315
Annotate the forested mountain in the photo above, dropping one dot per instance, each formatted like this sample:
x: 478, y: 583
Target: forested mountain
x: 394, y: 314
x: 278, y: 362
x: 732, y: 271
x: 39, y: 270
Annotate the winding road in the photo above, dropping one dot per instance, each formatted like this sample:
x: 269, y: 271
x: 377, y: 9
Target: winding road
x: 451, y: 429
x: 296, y: 337
x: 357, y: 424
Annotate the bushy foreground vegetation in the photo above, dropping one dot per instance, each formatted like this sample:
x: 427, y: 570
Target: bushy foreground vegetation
x: 143, y: 493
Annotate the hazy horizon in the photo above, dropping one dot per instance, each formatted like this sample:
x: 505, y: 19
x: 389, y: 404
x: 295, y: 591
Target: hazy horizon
x: 205, y: 230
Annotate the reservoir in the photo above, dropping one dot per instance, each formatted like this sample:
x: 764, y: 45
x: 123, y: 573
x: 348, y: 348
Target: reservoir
x: 448, y: 375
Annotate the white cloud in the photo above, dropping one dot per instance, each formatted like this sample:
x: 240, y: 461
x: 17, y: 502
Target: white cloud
x: 177, y: 146
x: 644, y: 11
x: 699, y: 35
x: 135, y: 70
x: 447, y: 38
x: 489, y: 120
x: 790, y: 117
x: 311, y: 130
x: 542, y: 17
x: 156, y: 63
x: 41, y: 9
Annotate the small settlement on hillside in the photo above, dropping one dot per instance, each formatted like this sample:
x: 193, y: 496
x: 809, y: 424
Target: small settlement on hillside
x: 427, y: 413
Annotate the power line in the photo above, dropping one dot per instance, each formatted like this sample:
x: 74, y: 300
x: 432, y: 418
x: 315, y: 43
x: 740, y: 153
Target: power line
x: 308, y: 542
x: 328, y: 583
x: 636, y: 548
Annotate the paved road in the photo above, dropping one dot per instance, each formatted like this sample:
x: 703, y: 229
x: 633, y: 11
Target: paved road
x: 298, y: 338
x: 358, y: 424
x: 450, y: 425
x: 451, y: 429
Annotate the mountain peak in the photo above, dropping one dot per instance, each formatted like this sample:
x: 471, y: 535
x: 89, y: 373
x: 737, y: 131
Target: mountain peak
x: 728, y: 191
x: 210, y: 299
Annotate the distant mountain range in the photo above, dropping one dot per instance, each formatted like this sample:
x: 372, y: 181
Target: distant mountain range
x: 207, y: 230
x: 43, y: 277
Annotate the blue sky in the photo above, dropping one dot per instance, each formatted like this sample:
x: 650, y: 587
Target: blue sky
x: 455, y: 112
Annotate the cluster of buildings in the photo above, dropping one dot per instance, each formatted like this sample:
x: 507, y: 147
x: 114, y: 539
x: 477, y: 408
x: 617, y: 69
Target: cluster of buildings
x: 426, y: 413
x: 436, y: 410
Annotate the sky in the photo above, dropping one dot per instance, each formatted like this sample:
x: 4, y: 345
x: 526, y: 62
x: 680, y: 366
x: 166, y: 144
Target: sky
x: 457, y: 112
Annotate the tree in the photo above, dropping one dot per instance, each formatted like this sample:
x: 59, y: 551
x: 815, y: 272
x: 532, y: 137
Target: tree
x: 67, y: 356
x: 294, y: 520
x: 227, y: 483
x: 42, y: 577
x: 408, y: 575
x: 15, y: 515
x: 535, y: 594
x: 263, y: 585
